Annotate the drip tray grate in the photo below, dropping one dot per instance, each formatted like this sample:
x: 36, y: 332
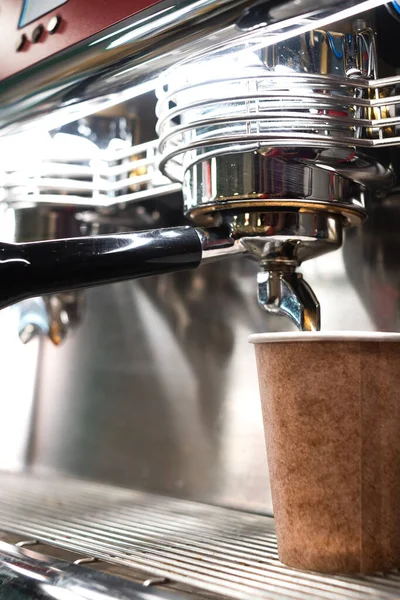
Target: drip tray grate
x: 213, y: 550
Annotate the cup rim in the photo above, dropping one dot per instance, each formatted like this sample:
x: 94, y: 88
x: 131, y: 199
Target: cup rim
x: 324, y: 336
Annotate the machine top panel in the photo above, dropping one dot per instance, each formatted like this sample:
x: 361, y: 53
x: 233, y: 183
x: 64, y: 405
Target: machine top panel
x: 32, y: 30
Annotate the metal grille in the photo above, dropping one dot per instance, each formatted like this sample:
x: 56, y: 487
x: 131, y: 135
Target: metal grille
x: 212, y: 549
x: 247, y: 110
x: 88, y: 177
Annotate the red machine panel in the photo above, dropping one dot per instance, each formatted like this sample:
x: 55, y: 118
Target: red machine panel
x: 32, y: 30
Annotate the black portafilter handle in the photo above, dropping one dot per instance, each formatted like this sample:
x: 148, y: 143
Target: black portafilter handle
x: 38, y: 268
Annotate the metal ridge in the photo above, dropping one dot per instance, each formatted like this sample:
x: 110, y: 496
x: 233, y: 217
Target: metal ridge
x: 216, y: 551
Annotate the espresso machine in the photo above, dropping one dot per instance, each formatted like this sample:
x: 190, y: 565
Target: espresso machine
x: 175, y: 176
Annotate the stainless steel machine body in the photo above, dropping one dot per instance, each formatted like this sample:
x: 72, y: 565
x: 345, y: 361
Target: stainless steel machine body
x: 150, y: 385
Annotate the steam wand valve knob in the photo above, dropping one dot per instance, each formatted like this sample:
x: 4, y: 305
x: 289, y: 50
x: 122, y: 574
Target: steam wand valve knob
x: 285, y: 292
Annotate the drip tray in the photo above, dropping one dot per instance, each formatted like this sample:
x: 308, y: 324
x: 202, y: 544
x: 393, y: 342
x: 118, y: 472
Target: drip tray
x: 206, y: 549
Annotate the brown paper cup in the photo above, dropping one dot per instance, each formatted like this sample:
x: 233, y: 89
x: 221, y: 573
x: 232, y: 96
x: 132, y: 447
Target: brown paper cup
x: 331, y: 411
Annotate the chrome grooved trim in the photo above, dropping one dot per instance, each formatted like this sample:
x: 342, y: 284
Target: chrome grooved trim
x: 215, y: 550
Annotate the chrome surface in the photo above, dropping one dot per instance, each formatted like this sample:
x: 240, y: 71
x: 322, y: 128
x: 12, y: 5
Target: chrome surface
x: 274, y: 237
x: 149, y: 390
x: 280, y: 237
x: 155, y: 581
x: 379, y: 99
x: 280, y: 242
x: 52, y: 315
x: 286, y: 293
x: 108, y: 68
x: 34, y: 319
x: 323, y: 53
x: 217, y: 243
x: 216, y: 551
x: 28, y: 574
x: 220, y: 118
x: 70, y: 170
x: 247, y: 95
x: 108, y: 405
x: 157, y: 388
x: 216, y: 114
x: 332, y: 180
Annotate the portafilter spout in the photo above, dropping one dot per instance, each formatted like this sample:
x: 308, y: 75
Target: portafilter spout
x: 280, y: 241
x: 285, y: 292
